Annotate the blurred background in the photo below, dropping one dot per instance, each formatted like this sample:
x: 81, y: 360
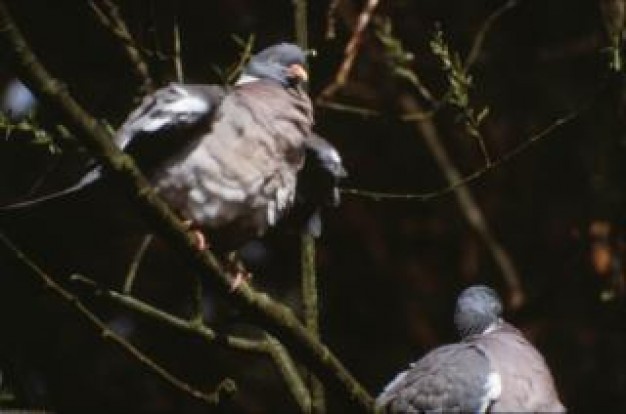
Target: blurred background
x: 389, y: 269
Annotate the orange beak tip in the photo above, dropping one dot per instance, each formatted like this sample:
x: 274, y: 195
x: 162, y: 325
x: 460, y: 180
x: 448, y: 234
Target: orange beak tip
x: 298, y: 71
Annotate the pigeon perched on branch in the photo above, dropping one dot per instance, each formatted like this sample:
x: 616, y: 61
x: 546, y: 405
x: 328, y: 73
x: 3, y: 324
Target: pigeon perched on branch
x: 228, y: 159
x: 493, y: 369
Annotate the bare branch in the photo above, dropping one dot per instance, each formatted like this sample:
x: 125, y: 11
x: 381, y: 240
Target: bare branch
x: 470, y: 178
x: 331, y: 19
x: 351, y: 109
x: 311, y: 312
x: 244, y: 57
x: 301, y: 25
x: 315, y: 402
x: 227, y: 386
x: 178, y: 62
x: 290, y: 373
x: 109, y: 16
x: 351, y: 51
x: 481, y: 35
x: 134, y: 264
x: 268, y: 346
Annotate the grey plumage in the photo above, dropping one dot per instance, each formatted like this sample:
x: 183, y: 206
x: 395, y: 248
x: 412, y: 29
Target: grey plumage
x: 317, y: 185
x: 228, y: 159
x: 447, y: 379
x: 493, y: 369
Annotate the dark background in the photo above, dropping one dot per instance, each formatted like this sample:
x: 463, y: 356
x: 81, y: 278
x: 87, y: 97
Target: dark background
x: 389, y: 271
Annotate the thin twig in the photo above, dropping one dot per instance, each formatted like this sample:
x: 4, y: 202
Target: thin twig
x: 350, y: 52
x: 178, y: 62
x: 244, y: 57
x: 470, y: 178
x: 301, y: 24
x: 134, y: 264
x: 226, y: 386
x: 109, y: 16
x: 370, y: 113
x: 352, y: 109
x: 331, y: 19
x: 315, y: 401
x: 197, y: 302
x: 481, y: 35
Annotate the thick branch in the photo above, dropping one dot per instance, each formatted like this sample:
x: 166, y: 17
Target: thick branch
x: 276, y: 318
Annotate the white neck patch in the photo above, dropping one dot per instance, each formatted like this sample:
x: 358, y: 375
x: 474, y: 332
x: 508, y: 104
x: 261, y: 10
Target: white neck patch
x: 493, y: 327
x: 244, y: 78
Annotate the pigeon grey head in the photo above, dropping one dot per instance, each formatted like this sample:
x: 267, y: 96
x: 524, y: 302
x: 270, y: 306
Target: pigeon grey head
x: 283, y: 63
x: 477, y: 309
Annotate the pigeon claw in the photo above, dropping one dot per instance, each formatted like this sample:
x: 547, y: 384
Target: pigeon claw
x: 201, y: 242
x: 235, y: 267
x: 240, y: 278
x: 199, y: 237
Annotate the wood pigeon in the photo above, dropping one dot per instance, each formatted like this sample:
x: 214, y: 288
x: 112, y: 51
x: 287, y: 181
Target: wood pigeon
x: 493, y: 369
x: 229, y: 160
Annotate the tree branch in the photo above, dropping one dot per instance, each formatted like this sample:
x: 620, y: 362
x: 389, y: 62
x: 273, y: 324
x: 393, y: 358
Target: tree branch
x: 290, y: 373
x: 474, y: 176
x: 274, y: 317
x: 109, y: 16
x: 227, y: 386
x: 178, y: 61
x: 351, y: 51
x: 481, y: 35
x: 311, y: 313
x: 194, y: 326
x: 129, y: 280
x: 317, y: 401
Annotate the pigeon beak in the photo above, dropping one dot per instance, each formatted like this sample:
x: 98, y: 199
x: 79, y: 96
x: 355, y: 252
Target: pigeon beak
x: 297, y: 71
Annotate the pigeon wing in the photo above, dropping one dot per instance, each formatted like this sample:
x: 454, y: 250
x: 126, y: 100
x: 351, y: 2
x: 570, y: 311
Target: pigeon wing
x: 157, y: 128
x: 451, y: 378
x: 165, y: 121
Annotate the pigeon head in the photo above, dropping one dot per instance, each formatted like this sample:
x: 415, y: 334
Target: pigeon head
x: 478, y: 308
x: 283, y: 63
